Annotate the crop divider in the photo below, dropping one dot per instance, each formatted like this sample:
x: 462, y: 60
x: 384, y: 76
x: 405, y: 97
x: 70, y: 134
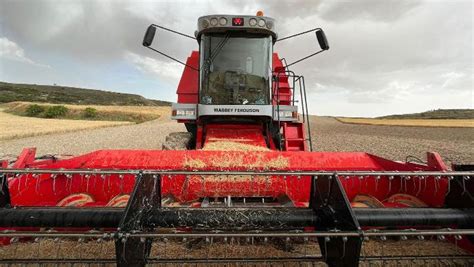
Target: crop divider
x: 329, y: 201
x: 146, y: 196
x: 4, y: 192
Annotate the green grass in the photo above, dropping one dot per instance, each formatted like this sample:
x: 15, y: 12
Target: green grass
x: 10, y: 92
x: 137, y: 114
x: 436, y: 114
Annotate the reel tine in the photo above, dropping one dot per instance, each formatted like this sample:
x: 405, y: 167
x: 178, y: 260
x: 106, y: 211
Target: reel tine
x: 344, y: 241
x: 54, y: 177
x: 417, y: 185
x: 326, y: 239
x: 436, y: 183
x: 18, y: 178
x: 450, y: 178
x: 121, y: 177
x: 464, y: 179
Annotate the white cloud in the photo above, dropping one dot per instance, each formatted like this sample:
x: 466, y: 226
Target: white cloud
x: 386, y: 56
x: 170, y: 71
x: 11, y: 50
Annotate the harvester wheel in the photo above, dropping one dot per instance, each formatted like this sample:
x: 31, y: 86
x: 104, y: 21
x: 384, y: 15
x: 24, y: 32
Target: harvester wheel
x: 177, y: 141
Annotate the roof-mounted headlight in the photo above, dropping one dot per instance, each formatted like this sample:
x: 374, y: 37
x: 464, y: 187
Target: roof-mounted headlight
x: 205, y: 23
x: 222, y: 21
x: 261, y: 23
x: 214, y: 22
x: 253, y: 22
x: 269, y: 25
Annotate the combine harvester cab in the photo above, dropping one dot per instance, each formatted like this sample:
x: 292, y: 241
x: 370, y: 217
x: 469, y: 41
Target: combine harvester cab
x: 241, y: 186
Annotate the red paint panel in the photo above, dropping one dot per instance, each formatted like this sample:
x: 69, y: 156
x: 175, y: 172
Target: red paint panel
x: 189, y: 83
x: 46, y: 190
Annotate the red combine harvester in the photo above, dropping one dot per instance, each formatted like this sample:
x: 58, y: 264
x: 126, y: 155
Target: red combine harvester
x: 242, y: 177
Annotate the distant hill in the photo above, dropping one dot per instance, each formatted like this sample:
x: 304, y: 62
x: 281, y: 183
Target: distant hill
x: 10, y: 92
x: 436, y: 114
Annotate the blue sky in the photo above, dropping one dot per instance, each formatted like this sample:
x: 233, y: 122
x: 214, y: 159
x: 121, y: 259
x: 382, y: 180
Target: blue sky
x: 386, y: 56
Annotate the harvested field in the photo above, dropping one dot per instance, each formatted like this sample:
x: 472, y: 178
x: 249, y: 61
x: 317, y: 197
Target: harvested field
x: 14, y: 127
x: 393, y: 142
x: 172, y: 248
x: 469, y: 123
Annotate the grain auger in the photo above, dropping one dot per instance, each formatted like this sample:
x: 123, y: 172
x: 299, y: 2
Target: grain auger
x: 241, y: 185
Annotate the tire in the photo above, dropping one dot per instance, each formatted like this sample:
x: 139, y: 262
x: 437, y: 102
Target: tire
x: 177, y: 141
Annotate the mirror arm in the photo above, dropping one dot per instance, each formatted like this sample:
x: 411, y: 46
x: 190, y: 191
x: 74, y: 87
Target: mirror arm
x: 304, y: 58
x: 173, y: 31
x: 298, y: 34
x: 172, y: 58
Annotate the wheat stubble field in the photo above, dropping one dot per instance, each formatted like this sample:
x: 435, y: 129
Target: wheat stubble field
x: 328, y: 134
x: 411, y: 122
x: 393, y: 142
x: 455, y: 145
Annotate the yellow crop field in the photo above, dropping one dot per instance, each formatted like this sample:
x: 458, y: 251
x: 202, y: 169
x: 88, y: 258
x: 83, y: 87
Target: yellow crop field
x: 104, y: 113
x: 12, y: 126
x: 469, y: 123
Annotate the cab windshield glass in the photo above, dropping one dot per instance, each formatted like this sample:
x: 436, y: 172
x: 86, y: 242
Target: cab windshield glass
x: 235, y: 69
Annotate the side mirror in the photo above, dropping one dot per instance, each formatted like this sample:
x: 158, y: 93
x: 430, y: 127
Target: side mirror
x: 149, y: 35
x: 323, y: 42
